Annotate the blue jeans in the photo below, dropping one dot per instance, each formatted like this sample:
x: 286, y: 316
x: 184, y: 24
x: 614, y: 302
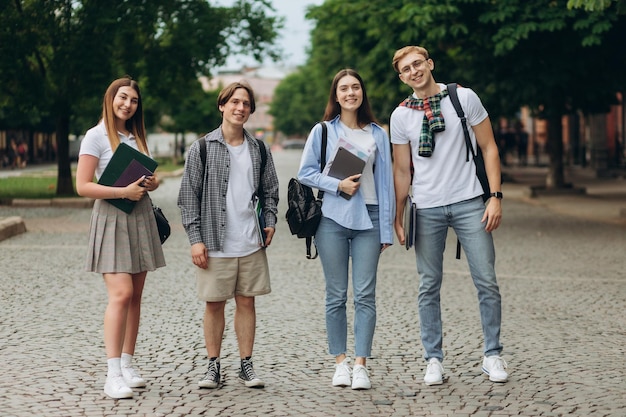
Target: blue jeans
x: 464, y: 217
x: 336, y: 244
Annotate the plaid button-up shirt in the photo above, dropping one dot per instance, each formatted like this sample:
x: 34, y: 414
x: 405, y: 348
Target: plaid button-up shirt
x: 204, y: 213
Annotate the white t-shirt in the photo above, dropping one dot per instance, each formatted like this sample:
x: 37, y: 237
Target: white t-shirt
x: 96, y: 143
x: 240, y: 238
x: 365, y: 138
x: 445, y: 177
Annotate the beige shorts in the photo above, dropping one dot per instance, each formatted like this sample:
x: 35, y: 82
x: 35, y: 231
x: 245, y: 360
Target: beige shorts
x: 226, y: 277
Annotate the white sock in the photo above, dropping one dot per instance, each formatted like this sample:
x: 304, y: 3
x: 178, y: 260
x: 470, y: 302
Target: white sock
x: 126, y: 360
x: 114, y: 367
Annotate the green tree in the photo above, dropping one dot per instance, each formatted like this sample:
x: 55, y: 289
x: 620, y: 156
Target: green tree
x: 298, y: 103
x: 595, y: 5
x: 57, y: 55
x: 536, y: 53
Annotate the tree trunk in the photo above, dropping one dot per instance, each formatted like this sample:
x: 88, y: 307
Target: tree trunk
x: 65, y: 185
x: 554, y: 145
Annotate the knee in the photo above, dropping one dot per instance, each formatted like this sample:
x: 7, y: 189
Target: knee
x: 245, y: 303
x: 212, y: 308
x: 121, y: 295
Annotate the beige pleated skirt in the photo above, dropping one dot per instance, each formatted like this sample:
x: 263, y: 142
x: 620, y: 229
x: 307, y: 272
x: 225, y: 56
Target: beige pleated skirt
x: 121, y: 242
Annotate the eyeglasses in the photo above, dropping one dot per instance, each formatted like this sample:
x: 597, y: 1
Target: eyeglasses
x: 415, y: 65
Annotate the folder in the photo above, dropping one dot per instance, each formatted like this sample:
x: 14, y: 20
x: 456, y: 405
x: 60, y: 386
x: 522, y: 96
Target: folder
x: 259, y: 217
x: 345, y: 164
x: 125, y: 167
x: 410, y: 223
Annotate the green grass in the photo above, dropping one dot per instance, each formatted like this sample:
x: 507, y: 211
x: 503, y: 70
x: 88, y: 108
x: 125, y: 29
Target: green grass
x: 44, y: 184
x: 28, y: 187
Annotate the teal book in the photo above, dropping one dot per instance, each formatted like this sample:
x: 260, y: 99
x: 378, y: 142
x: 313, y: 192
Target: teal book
x: 125, y: 167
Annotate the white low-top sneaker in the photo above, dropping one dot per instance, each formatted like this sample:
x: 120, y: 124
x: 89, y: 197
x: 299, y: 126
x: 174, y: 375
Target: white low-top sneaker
x: 115, y: 387
x: 132, y: 377
x: 342, y: 374
x: 495, y: 366
x: 360, y: 377
x: 434, y: 372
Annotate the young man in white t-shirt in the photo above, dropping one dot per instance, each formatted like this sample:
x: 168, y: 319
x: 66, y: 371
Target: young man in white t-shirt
x: 426, y: 131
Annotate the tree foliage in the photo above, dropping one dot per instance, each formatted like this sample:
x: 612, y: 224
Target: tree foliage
x: 537, y: 53
x: 58, y: 57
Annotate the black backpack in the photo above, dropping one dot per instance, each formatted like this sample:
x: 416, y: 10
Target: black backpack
x: 304, y: 210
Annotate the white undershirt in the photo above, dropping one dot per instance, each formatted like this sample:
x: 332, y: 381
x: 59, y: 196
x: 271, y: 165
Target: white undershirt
x: 240, y: 238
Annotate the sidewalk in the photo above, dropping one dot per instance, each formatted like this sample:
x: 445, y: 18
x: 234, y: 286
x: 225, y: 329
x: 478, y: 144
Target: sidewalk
x: 591, y: 198
x: 562, y: 282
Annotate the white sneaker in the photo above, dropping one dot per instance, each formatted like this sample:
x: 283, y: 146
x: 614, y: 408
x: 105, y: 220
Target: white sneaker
x: 360, y: 378
x: 434, y: 372
x: 342, y: 374
x: 115, y: 387
x: 495, y: 366
x: 132, y: 378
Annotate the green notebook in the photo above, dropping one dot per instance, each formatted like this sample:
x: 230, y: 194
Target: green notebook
x: 126, y: 166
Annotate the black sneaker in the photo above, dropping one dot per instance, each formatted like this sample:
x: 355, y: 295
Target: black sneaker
x: 212, y: 377
x: 248, y: 376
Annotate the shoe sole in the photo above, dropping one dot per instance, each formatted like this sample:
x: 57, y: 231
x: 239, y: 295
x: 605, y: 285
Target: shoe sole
x: 136, y: 384
x: 119, y: 397
x: 434, y: 383
x: 342, y: 384
x: 494, y: 379
x: 253, y: 384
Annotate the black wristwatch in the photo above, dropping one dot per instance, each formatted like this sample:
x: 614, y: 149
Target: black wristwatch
x: 497, y: 195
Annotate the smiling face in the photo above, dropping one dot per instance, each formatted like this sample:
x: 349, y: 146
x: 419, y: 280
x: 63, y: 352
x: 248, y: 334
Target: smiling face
x: 349, y: 93
x: 125, y: 104
x: 415, y: 70
x: 237, y: 109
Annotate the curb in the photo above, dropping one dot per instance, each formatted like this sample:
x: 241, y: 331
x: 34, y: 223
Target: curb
x: 71, y: 202
x: 11, y: 226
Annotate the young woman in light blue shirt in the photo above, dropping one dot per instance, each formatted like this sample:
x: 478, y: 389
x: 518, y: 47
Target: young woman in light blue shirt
x: 359, y: 227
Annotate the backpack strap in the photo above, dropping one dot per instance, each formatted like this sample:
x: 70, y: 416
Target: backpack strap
x: 320, y: 193
x: 454, y: 97
x: 260, y: 192
x: 202, y: 141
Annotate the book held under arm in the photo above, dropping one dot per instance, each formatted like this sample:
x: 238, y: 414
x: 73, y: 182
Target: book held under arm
x: 125, y: 167
x: 410, y: 223
x: 259, y: 218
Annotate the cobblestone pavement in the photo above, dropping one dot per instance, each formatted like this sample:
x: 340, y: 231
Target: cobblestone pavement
x: 562, y: 278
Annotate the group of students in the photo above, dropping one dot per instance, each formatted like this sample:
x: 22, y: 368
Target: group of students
x: 227, y: 170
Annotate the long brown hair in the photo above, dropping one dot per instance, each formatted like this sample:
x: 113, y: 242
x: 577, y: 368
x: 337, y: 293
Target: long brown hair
x: 364, y: 113
x: 135, y: 124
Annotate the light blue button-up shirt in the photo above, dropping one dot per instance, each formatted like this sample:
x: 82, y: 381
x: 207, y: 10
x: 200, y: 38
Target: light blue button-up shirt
x: 352, y: 213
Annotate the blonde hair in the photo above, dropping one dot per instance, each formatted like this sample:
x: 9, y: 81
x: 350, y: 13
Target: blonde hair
x: 402, y: 52
x: 135, y: 124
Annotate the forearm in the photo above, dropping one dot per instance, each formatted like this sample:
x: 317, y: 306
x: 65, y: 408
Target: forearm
x: 98, y: 191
